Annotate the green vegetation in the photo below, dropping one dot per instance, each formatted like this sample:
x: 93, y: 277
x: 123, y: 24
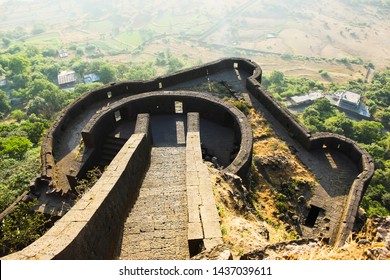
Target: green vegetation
x: 241, y: 105
x: 92, y: 177
x: 282, y: 87
x: 324, y: 74
x: 21, y: 228
x: 170, y: 62
x: 322, y: 116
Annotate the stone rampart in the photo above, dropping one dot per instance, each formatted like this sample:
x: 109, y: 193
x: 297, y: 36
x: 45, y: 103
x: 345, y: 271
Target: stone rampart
x: 162, y: 102
x: 366, y: 168
x: 91, y: 229
x: 288, y: 120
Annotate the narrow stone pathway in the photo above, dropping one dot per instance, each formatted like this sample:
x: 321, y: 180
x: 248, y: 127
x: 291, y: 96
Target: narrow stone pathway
x: 156, y: 228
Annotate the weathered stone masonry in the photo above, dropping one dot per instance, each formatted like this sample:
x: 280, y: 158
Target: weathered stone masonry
x: 77, y: 229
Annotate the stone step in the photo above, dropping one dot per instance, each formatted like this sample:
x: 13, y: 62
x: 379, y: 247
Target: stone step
x: 114, y: 140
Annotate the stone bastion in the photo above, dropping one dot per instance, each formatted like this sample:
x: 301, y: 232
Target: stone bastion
x: 77, y: 139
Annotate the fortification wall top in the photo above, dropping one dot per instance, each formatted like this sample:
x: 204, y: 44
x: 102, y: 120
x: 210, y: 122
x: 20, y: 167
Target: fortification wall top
x: 294, y: 127
x: 162, y: 102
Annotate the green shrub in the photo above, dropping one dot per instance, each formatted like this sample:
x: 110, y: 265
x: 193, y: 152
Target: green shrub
x: 22, y: 227
x: 241, y: 106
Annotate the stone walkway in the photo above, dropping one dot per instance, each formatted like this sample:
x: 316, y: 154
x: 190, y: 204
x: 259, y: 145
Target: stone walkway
x: 156, y: 227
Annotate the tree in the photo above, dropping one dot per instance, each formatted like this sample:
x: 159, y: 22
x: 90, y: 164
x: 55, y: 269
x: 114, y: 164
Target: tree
x: 121, y: 71
x: 80, y: 67
x: 34, y: 130
x: 15, y: 146
x: 276, y: 77
x: 54, y: 101
x: 36, y: 106
x: 340, y: 124
x: 386, y: 200
x: 324, y: 106
x: 49, y: 67
x: 38, y: 29
x: 106, y: 73
x: 385, y: 117
x: 81, y: 88
x: 6, y: 42
x: 18, y: 64
x: 4, y: 104
x: 49, y: 52
x: 324, y: 75
x: 174, y: 64
x: 21, y: 228
x: 142, y: 71
x: 32, y: 51
x: 14, y: 49
x: 20, y: 81
x: 37, y: 86
x: 17, y: 115
x: 79, y: 52
x: 367, y: 131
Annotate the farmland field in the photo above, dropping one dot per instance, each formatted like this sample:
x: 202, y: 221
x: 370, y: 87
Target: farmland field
x: 296, y: 37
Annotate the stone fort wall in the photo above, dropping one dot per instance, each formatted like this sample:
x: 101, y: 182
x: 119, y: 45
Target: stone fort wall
x: 288, y: 120
x: 162, y: 102
x: 117, y: 91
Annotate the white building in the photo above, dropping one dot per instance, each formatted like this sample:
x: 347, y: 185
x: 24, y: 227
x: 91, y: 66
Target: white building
x: 306, y: 99
x: 349, y: 98
x: 66, y: 78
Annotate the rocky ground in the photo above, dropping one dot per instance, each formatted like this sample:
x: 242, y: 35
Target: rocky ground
x: 371, y: 243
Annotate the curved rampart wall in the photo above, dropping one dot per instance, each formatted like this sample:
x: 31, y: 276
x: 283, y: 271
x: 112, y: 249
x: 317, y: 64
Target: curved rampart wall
x: 91, y: 228
x: 366, y: 168
x: 117, y: 91
x: 162, y: 102
x: 287, y: 119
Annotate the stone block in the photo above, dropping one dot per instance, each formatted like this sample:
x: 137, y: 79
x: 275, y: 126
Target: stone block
x: 210, y: 243
x: 191, y: 166
x: 192, y: 178
x: 209, y: 213
x: 200, y: 166
x: 195, y: 231
x: 193, y: 199
x: 207, y: 198
x: 193, y: 215
x: 204, y: 178
x: 211, y: 229
x: 78, y: 215
x: 190, y: 157
x: 57, y: 230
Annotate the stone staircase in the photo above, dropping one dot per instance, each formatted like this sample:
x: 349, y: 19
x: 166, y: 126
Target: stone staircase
x: 156, y: 227
x: 111, y: 147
